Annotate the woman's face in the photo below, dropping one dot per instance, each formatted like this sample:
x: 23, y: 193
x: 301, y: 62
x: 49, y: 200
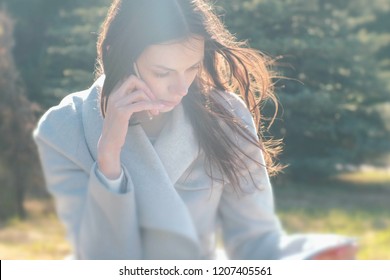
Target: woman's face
x: 169, y: 69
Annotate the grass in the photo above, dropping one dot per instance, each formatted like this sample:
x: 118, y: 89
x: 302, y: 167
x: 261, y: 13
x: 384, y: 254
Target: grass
x: 41, y: 236
x: 367, y: 177
x: 360, y: 210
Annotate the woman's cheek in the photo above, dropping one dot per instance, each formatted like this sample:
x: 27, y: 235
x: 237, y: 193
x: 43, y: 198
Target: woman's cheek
x: 158, y: 91
x: 155, y: 86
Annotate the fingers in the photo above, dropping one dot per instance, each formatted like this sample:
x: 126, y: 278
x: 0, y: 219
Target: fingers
x: 133, y: 83
x: 133, y: 86
x: 124, y: 106
x: 346, y: 252
x: 136, y: 97
x: 132, y: 97
x: 142, y: 106
x: 127, y: 98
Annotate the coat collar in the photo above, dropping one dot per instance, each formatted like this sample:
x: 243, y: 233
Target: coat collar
x: 154, y: 170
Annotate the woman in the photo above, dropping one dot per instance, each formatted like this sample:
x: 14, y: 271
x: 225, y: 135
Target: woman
x: 161, y: 150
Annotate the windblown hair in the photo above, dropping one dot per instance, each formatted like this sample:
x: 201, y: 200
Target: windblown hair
x: 229, y: 66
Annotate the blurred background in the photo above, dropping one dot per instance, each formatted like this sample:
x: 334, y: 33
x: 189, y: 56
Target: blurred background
x: 334, y: 116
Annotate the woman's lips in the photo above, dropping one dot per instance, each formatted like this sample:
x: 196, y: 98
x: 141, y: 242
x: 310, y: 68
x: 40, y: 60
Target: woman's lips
x: 169, y: 103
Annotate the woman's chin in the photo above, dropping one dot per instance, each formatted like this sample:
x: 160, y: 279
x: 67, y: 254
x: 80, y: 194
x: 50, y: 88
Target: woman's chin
x: 169, y: 107
x: 166, y: 110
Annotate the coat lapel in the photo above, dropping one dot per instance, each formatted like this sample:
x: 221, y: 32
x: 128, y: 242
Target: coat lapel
x: 177, y: 146
x: 154, y: 170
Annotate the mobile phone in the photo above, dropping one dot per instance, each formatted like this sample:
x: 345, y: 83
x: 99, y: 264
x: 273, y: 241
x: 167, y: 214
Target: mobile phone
x: 139, y: 117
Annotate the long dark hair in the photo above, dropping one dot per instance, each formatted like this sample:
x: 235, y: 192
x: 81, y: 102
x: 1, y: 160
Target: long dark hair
x: 229, y: 66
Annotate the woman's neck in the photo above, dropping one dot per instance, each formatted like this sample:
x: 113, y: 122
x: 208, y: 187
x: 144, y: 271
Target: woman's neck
x: 154, y: 126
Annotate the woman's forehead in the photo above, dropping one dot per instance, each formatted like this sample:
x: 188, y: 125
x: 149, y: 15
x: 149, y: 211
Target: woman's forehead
x: 176, y: 54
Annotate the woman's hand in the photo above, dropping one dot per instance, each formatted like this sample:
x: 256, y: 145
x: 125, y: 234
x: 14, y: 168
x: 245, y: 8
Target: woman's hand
x: 127, y: 98
x: 345, y: 252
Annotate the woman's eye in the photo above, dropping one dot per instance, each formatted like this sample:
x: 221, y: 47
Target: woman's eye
x: 161, y: 75
x: 195, y: 68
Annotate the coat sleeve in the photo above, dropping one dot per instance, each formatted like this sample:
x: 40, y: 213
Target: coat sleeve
x: 100, y: 223
x: 250, y: 226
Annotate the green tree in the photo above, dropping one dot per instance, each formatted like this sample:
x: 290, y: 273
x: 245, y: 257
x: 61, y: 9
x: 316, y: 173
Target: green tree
x: 333, y: 91
x: 32, y: 19
x: 55, y: 45
x: 18, y: 169
x: 70, y: 50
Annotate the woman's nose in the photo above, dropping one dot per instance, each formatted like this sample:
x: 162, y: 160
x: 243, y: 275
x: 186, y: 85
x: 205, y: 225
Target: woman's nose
x: 180, y: 88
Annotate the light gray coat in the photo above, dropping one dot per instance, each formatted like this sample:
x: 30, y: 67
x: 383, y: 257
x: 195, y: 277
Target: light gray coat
x: 171, y: 208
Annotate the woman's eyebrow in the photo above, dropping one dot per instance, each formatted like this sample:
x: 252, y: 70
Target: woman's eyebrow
x: 169, y: 69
